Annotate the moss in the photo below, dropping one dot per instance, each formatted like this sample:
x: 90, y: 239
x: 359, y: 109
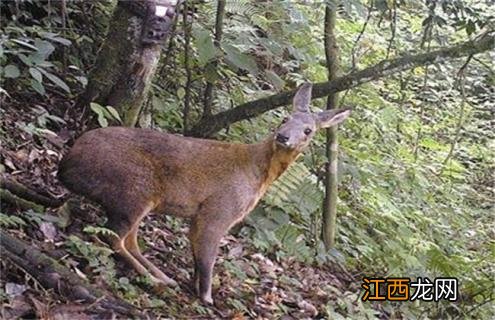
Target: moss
x: 122, y: 74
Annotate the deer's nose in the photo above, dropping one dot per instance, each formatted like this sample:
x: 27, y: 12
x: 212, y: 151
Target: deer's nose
x: 281, y: 138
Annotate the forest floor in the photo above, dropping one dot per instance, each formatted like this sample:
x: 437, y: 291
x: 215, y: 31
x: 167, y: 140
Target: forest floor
x: 247, y: 284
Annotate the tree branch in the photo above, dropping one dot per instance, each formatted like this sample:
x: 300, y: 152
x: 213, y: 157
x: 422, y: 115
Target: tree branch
x: 187, y: 45
x: 210, y: 125
x: 18, y: 202
x: 28, y: 194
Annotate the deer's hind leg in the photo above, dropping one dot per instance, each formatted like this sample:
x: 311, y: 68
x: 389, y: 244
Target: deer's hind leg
x: 131, y: 244
x: 125, y: 244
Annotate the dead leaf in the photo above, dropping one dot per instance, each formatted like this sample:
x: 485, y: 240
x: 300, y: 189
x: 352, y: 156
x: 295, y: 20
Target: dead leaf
x: 14, y: 289
x: 9, y: 164
x: 307, y: 307
x: 40, y: 308
x: 34, y: 155
x: 236, y: 250
x: 16, y: 309
x: 238, y: 316
x: 80, y: 273
x: 21, y: 155
x: 68, y: 311
x: 49, y: 231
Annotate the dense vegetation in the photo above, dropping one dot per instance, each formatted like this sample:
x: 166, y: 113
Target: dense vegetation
x: 416, y: 195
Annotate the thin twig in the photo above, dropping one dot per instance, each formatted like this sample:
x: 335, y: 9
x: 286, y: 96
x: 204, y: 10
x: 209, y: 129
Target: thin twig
x: 363, y: 29
x: 488, y: 67
x: 393, y: 28
x: 478, y: 306
x: 170, y: 47
x: 187, y: 45
x: 63, y: 11
x: 460, y: 120
x: 208, y: 97
x: 427, y: 35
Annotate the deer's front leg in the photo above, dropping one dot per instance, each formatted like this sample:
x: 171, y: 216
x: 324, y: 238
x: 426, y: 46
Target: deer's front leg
x: 205, y: 235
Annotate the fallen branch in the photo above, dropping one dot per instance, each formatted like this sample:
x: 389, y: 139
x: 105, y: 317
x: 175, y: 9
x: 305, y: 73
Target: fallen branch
x: 18, y: 202
x: 51, y: 274
x: 210, y: 125
x: 28, y: 194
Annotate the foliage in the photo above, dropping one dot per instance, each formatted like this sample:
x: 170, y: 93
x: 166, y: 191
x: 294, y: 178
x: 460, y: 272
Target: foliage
x: 105, y: 113
x: 7, y: 221
x: 97, y: 257
x: 25, y: 52
x: 36, y: 42
x: 417, y: 155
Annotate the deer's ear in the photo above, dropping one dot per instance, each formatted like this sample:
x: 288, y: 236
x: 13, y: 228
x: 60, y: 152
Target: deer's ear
x: 302, y: 98
x: 326, y: 119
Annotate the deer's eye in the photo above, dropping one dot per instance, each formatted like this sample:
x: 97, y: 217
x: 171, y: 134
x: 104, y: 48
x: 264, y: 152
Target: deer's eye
x: 307, y: 131
x: 285, y: 120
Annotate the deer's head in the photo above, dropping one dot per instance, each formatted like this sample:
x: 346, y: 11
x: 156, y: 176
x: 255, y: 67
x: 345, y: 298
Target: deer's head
x: 297, y: 130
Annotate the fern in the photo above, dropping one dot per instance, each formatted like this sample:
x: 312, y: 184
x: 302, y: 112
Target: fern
x: 100, y: 231
x: 291, y: 202
x: 10, y: 221
x: 290, y: 182
x: 241, y: 7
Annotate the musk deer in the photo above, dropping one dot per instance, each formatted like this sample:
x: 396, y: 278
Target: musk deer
x: 132, y: 172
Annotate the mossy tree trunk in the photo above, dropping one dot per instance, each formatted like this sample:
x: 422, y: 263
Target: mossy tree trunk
x: 129, y: 56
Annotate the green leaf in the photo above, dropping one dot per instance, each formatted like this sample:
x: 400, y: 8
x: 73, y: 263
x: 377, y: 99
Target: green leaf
x: 240, y: 60
x: 11, y: 71
x: 45, y: 48
x: 38, y: 87
x: 83, y: 80
x: 210, y: 73
x: 56, y: 80
x: 114, y: 113
x: 102, y: 121
x: 100, y: 112
x: 54, y: 37
x: 96, y: 108
x: 25, y: 44
x: 274, y: 79
x: 181, y: 92
x: 26, y: 60
x: 36, y: 74
x: 204, y: 43
x: 100, y: 230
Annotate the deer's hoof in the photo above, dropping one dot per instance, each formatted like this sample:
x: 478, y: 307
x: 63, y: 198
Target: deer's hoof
x: 169, y: 282
x: 207, y: 300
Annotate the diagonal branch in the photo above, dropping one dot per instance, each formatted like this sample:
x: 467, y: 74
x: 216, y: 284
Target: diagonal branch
x: 210, y: 125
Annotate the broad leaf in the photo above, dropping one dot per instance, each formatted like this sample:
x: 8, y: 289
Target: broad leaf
x: 204, y: 43
x: 11, y: 71
x: 36, y: 74
x: 56, y: 80
x: 240, y: 60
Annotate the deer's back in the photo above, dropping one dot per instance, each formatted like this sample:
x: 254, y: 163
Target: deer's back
x: 177, y: 173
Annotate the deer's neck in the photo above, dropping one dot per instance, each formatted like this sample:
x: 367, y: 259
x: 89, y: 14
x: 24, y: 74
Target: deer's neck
x: 271, y: 161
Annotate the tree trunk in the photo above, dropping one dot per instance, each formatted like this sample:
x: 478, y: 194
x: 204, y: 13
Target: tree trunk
x: 129, y: 56
x: 329, y: 216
